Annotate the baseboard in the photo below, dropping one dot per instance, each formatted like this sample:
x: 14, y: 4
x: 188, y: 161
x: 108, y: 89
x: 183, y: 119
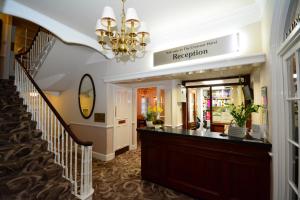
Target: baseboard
x: 132, y: 147
x: 103, y: 157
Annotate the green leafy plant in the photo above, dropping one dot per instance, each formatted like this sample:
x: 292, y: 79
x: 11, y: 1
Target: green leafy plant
x: 241, y: 113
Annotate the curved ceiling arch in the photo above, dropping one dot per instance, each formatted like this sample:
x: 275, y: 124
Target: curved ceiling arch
x: 65, y: 33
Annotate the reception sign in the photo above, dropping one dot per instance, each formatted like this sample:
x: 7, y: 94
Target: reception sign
x: 208, y: 48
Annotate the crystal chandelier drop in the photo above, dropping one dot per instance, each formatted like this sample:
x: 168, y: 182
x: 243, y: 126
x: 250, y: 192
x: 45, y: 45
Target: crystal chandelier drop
x: 131, y: 40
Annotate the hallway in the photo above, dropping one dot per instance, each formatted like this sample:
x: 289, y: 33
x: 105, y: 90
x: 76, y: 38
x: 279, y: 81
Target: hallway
x: 120, y: 179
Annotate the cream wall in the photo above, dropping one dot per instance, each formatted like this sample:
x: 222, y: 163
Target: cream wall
x: 264, y: 73
x: 67, y: 102
x: 250, y: 43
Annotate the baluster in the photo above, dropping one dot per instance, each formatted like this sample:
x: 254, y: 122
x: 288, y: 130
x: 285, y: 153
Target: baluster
x: 63, y: 150
x: 39, y: 112
x: 58, y: 145
x: 30, y: 57
x: 48, y: 128
x: 81, y: 171
x: 39, y: 43
x: 43, y: 118
x: 75, y: 172
x: 71, y: 159
x: 51, y: 132
x: 67, y: 166
x: 27, y: 90
x: 91, y: 166
x: 31, y: 96
x: 55, y: 137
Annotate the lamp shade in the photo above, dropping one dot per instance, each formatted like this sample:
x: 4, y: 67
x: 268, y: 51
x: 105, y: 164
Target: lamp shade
x: 108, y: 15
x: 143, y: 29
x: 100, y: 28
x: 131, y: 16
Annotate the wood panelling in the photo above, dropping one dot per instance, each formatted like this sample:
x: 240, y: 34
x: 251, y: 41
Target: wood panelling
x: 205, y: 168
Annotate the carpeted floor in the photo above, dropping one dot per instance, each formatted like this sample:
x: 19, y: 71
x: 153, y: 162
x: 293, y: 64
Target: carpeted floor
x: 120, y: 179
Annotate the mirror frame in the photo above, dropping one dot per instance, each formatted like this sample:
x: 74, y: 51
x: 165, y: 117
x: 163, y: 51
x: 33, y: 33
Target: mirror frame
x: 94, y: 93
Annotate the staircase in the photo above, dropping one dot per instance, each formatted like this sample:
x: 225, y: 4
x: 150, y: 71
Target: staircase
x: 27, y: 168
x: 40, y: 156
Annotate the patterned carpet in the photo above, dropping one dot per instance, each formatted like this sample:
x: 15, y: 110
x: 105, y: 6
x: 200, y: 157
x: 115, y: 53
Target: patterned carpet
x: 120, y: 179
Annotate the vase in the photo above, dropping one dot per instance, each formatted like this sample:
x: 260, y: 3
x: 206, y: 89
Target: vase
x: 237, y: 131
x: 149, y: 123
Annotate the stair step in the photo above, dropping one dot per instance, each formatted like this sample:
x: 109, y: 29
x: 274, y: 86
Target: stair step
x: 12, y: 152
x: 19, y: 137
x: 59, y: 189
x: 13, y: 108
x: 11, y: 100
x: 13, y: 127
x: 15, y: 116
x: 6, y: 81
x: 8, y: 92
x: 25, y: 165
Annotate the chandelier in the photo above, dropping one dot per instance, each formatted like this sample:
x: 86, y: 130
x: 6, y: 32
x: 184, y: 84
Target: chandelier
x: 131, y: 40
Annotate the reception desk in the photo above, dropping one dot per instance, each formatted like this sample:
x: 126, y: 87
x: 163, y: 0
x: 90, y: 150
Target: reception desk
x: 206, y: 165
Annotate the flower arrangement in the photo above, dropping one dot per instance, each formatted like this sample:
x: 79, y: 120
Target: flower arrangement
x: 241, y: 113
x: 152, y: 112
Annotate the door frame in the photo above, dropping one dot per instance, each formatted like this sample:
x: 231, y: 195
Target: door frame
x: 275, y: 65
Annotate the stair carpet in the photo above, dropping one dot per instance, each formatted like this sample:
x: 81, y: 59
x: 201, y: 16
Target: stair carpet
x: 27, y: 169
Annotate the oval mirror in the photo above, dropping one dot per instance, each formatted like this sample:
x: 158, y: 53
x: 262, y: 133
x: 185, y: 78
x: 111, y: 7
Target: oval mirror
x: 86, y: 96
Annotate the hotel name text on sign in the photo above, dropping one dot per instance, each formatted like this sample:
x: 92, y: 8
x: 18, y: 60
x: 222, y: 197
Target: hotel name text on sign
x: 208, y: 48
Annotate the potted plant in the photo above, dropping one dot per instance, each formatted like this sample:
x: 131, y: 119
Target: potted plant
x: 241, y: 114
x: 153, y: 115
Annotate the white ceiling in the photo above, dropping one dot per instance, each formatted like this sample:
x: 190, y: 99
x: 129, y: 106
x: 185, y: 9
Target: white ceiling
x: 163, y: 17
x: 170, y: 22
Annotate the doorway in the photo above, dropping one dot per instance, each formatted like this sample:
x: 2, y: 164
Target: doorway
x: 207, y: 101
x: 150, y: 98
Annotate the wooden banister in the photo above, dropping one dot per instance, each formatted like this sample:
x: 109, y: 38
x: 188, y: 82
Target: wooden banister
x: 63, y: 123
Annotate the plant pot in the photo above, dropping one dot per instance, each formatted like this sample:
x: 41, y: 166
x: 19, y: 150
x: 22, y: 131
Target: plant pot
x: 236, y: 131
x: 149, y: 123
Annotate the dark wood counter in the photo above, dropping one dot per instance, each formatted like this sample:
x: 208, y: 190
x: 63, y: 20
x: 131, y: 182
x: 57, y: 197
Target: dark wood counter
x: 206, y: 165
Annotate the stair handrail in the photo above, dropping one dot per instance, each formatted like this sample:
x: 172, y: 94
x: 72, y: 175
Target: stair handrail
x: 64, y: 124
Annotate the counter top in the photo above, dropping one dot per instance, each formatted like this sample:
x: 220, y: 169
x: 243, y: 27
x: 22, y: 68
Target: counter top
x: 206, y: 134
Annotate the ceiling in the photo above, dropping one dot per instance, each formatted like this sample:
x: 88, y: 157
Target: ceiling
x: 163, y: 18
x: 170, y: 22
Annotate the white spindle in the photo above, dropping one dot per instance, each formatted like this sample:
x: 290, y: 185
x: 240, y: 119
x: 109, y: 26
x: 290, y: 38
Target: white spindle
x: 55, y: 137
x: 71, y: 160
x: 67, y: 152
x: 75, y: 171
x: 58, y: 140
x: 48, y: 128
x: 63, y: 150
x: 81, y: 178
